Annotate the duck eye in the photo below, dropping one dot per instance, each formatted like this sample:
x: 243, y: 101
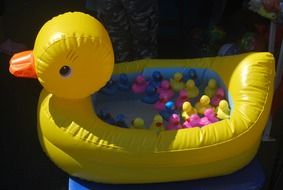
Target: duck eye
x: 65, y: 71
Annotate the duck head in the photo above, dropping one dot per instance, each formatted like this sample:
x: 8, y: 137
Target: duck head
x: 187, y: 106
x: 158, y: 120
x: 178, y: 77
x: 205, y: 100
x: 190, y: 84
x: 212, y: 83
x: 224, y: 105
x: 72, y: 56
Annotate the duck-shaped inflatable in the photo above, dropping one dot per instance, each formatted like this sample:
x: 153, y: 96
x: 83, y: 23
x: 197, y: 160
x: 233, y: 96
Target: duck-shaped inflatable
x: 73, y: 59
x: 176, y: 82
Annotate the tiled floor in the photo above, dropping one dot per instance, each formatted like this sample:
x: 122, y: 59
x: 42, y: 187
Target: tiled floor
x: 25, y: 164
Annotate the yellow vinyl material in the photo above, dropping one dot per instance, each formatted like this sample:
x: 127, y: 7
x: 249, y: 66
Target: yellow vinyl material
x: 74, y: 58
x: 85, y: 146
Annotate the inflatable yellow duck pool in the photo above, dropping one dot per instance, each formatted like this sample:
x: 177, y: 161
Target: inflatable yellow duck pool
x: 73, y: 58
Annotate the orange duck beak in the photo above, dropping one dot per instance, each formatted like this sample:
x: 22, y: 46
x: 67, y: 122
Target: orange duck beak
x: 22, y: 65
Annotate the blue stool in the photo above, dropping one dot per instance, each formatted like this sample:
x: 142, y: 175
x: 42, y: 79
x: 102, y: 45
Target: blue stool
x: 249, y: 178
